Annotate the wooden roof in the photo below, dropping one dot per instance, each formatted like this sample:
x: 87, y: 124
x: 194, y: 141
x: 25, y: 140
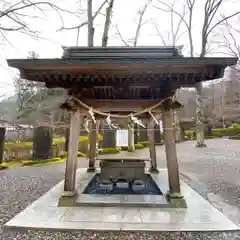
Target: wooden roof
x: 122, y: 72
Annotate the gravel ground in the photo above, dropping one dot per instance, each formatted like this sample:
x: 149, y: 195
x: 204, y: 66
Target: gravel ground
x: 20, y: 186
x: 218, y: 163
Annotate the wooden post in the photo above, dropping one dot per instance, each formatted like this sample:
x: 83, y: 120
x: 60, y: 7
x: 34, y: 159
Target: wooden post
x: 93, y: 137
x: 71, y: 163
x: 131, y: 146
x: 177, y: 129
x: 171, y: 153
x: 152, y: 148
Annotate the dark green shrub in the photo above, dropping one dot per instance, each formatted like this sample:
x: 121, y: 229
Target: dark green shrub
x: 237, y: 137
x: 235, y: 125
x: 189, y: 134
x: 216, y: 133
x: 221, y: 132
x: 124, y: 148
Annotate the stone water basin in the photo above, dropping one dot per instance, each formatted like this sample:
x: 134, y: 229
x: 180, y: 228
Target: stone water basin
x: 122, y: 176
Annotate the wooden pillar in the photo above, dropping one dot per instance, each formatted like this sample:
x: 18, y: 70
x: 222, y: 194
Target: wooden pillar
x: 131, y: 145
x: 171, y: 152
x: 153, y: 158
x: 93, y: 138
x: 71, y: 163
x: 177, y: 129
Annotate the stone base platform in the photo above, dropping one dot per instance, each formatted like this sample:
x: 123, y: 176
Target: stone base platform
x: 159, y: 201
x: 45, y: 214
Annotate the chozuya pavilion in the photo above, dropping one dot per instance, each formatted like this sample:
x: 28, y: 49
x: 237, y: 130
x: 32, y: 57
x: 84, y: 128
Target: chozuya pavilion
x: 125, y: 83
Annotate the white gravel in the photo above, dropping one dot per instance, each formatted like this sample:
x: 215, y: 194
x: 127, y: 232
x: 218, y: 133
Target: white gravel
x: 20, y: 186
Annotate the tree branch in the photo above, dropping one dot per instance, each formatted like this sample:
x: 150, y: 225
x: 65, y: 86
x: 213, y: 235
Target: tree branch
x: 121, y: 37
x: 86, y: 22
x: 139, y: 25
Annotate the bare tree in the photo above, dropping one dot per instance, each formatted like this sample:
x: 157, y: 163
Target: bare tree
x: 172, y: 38
x: 174, y: 33
x: 16, y: 15
x: 211, y: 8
x: 230, y: 39
x: 140, y: 22
x: 89, y: 22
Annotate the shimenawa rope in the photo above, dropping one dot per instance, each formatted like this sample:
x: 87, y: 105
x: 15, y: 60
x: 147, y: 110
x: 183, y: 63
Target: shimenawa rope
x: 149, y: 109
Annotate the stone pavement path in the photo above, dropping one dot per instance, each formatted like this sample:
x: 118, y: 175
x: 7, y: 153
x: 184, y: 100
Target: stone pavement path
x: 214, y: 172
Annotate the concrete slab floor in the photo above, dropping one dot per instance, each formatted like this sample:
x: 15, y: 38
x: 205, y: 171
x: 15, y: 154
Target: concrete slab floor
x: 44, y: 214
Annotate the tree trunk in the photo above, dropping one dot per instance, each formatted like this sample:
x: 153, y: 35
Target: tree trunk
x: 90, y: 25
x: 2, y: 138
x: 199, y: 117
x: 42, y: 143
x: 107, y: 24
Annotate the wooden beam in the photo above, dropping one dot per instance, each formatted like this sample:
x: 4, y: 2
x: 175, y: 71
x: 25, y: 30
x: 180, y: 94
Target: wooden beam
x: 93, y: 137
x: 153, y: 157
x: 171, y: 152
x: 71, y: 163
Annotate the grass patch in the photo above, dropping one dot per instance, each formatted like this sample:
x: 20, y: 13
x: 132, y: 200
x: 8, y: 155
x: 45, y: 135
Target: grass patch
x: 36, y: 162
x: 11, y: 164
x: 109, y: 150
x: 144, y: 143
x: 137, y: 146
x: 16, y: 163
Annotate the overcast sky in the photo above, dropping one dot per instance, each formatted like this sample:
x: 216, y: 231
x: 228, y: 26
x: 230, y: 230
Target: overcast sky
x: 124, y: 16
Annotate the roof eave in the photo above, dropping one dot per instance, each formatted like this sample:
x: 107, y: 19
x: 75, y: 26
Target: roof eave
x: 30, y: 63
